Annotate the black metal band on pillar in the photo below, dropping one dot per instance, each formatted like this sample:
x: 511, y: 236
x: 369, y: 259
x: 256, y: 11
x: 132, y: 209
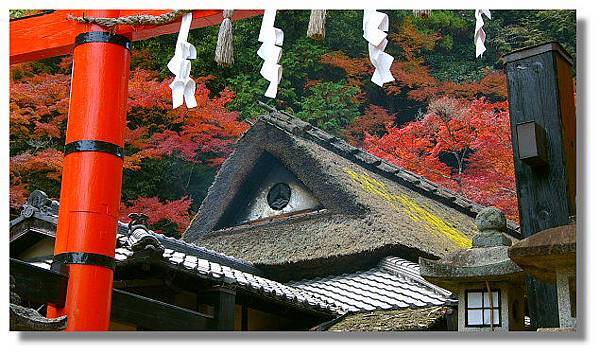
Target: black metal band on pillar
x: 94, y: 146
x: 103, y: 37
x: 85, y: 259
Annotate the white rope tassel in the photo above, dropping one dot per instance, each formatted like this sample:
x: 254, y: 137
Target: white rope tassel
x: 316, y: 24
x: 183, y: 87
x: 224, y: 49
x: 479, y: 37
x: 270, y: 37
x: 375, y: 27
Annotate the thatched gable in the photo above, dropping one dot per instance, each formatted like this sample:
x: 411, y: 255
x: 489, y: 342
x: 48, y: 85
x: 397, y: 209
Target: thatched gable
x: 370, y: 208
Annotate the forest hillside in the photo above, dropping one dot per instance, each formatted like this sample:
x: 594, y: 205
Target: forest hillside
x: 444, y: 117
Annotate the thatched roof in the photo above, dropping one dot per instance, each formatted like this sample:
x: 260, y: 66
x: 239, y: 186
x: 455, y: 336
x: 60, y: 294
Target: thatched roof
x: 407, y: 319
x: 370, y: 208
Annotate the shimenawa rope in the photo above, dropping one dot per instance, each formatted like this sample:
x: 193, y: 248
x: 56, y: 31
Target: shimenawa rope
x: 133, y: 20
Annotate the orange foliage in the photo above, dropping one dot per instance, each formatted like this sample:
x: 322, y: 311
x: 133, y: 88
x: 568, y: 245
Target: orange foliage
x: 375, y: 121
x: 47, y: 162
x: 411, y: 40
x: 357, y: 69
x: 204, y: 133
x: 414, y: 79
x: 176, y: 211
x: 39, y: 105
x: 463, y: 147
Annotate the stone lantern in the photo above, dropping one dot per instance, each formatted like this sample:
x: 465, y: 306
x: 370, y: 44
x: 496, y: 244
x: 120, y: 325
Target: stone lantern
x: 489, y: 286
x: 550, y: 256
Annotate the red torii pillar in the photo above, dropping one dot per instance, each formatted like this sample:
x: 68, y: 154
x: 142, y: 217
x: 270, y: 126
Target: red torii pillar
x: 92, y: 175
x: 93, y: 164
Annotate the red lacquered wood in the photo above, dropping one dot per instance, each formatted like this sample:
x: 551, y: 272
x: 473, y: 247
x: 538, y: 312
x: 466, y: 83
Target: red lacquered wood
x: 91, y: 181
x: 53, y: 34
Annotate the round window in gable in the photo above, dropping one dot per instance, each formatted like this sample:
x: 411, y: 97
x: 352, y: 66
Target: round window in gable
x: 279, y: 196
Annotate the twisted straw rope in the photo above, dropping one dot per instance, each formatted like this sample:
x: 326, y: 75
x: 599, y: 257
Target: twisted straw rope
x: 131, y: 20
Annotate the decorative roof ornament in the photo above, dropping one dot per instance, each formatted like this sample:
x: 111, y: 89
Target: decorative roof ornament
x: 39, y: 202
x: 183, y: 87
x: 141, y: 239
x: 479, y: 37
x: 137, y: 227
x: 375, y: 27
x: 224, y: 49
x: 271, y: 38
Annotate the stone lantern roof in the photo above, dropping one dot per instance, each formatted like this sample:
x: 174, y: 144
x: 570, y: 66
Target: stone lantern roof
x: 486, y: 260
x: 547, y: 251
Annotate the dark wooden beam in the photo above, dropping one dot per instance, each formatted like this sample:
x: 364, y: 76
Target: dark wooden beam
x: 540, y: 87
x: 304, y: 318
x: 156, y: 315
x: 38, y: 285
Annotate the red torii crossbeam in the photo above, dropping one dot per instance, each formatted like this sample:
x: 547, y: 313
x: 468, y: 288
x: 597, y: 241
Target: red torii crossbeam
x: 93, y: 165
x: 53, y: 34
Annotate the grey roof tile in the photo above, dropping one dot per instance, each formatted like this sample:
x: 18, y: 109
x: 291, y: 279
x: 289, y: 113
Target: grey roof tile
x: 395, y: 283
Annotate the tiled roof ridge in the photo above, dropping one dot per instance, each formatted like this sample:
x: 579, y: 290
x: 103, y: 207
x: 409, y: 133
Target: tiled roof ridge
x: 200, y: 251
x: 40, y: 206
x: 290, y: 124
x: 391, y: 265
x: 232, y: 276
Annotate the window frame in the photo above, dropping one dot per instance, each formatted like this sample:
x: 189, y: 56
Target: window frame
x: 482, y: 308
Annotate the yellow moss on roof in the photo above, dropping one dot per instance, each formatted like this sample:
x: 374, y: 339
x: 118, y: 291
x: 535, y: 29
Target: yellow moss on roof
x: 404, y: 203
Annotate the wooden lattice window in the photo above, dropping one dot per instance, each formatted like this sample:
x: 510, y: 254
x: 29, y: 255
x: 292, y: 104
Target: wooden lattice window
x: 478, y: 311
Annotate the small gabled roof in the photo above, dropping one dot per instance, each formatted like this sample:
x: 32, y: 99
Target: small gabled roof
x: 394, y: 283
x: 371, y: 208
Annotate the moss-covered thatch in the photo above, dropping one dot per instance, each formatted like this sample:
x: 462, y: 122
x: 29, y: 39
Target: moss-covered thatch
x: 371, y: 208
x: 408, y: 319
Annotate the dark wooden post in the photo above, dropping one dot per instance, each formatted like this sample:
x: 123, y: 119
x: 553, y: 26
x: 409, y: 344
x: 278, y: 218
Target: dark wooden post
x: 542, y: 115
x: 244, y: 317
x: 224, y: 302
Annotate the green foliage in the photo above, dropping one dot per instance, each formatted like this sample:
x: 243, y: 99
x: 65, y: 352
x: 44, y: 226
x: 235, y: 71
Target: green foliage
x: 330, y: 106
x: 326, y: 83
x: 348, y: 23
x: 168, y: 179
x: 13, y: 14
x: 247, y: 92
x: 527, y: 28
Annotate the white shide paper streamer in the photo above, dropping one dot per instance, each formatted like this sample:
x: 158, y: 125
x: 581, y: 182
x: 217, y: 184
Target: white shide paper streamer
x: 479, y: 37
x: 375, y: 27
x: 270, y: 37
x: 183, y: 87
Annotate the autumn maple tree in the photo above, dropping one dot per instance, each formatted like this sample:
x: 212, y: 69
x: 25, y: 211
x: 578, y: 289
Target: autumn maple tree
x: 39, y: 106
x: 375, y: 121
x: 444, y: 116
x: 465, y: 147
